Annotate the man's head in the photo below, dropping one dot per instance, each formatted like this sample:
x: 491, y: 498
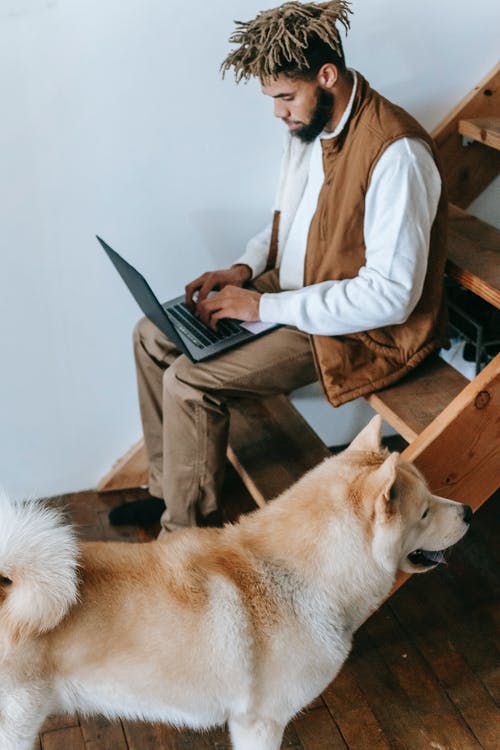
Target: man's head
x: 305, y: 106
x: 296, y: 52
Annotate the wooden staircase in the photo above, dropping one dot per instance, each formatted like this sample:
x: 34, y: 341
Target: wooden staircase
x: 484, y: 130
x: 452, y: 426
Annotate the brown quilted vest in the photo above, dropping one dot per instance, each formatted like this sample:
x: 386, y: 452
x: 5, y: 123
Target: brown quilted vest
x: 357, y: 364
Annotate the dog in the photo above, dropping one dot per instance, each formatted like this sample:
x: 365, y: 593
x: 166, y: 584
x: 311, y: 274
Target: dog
x: 246, y: 624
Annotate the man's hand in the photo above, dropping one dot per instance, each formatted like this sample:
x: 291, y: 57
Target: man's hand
x: 230, y: 302
x: 235, y: 276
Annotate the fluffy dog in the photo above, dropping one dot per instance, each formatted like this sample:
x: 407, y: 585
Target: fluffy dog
x: 245, y: 624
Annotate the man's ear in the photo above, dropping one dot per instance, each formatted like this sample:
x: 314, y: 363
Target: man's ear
x: 369, y: 438
x: 328, y: 76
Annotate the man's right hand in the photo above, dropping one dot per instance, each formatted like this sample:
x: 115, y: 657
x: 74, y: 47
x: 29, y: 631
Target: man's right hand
x: 215, y: 281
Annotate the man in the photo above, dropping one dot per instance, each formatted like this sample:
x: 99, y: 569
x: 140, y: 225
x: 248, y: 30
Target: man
x: 352, y: 265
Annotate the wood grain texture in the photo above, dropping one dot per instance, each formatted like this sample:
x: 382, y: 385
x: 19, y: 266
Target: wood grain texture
x: 352, y: 713
x: 474, y: 255
x: 271, y: 445
x: 468, y: 170
x: 482, y: 129
x: 64, y: 739
x: 101, y: 732
x: 128, y: 472
x: 411, y: 404
x: 317, y: 730
x: 459, y: 452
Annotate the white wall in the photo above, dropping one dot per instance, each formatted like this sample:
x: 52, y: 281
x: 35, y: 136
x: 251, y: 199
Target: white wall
x: 115, y: 120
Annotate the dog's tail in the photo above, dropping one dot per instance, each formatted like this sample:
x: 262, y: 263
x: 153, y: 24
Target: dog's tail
x: 38, y: 570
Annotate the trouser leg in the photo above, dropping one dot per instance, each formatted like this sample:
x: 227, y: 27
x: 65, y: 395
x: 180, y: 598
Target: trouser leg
x: 195, y: 414
x: 194, y: 449
x: 153, y: 353
x: 184, y: 408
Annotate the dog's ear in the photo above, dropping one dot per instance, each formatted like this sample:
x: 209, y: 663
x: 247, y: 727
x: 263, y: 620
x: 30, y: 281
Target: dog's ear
x: 382, y: 482
x: 386, y: 543
x: 369, y: 438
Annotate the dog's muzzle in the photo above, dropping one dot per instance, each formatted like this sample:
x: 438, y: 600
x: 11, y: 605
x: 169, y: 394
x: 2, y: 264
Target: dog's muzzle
x: 429, y: 558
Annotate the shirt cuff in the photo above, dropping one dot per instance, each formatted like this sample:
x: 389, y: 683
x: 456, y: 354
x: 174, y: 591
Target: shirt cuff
x: 257, y: 266
x: 273, y: 308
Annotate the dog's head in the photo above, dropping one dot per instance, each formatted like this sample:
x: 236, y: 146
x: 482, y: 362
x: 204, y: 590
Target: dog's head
x: 410, y: 527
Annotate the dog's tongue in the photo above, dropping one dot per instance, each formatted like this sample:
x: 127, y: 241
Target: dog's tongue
x: 435, y: 557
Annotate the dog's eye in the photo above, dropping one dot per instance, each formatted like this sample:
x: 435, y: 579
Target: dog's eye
x: 4, y: 581
x: 425, y: 514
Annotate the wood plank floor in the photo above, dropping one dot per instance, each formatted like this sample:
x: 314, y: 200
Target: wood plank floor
x: 424, y: 673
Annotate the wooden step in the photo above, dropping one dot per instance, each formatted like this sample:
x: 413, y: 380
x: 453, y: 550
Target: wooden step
x: 459, y: 453
x: 130, y: 471
x: 413, y: 402
x: 469, y: 170
x: 474, y: 255
x: 271, y: 445
x: 482, y: 129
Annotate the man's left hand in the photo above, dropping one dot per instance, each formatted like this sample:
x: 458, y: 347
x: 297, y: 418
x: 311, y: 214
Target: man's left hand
x: 230, y: 302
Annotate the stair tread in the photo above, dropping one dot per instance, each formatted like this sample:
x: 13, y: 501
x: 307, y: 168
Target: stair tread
x: 468, y: 171
x: 413, y: 402
x: 474, y: 255
x: 271, y: 445
x: 131, y: 470
x: 485, y: 130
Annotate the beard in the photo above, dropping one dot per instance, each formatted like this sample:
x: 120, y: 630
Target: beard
x: 321, y: 116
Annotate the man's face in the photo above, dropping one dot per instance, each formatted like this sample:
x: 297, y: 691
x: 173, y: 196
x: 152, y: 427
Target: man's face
x: 303, y: 105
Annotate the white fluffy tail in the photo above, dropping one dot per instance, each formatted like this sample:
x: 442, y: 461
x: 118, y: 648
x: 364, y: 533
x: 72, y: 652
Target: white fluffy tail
x: 38, y: 569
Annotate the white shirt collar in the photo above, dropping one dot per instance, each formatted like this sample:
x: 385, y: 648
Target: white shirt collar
x: 347, y: 111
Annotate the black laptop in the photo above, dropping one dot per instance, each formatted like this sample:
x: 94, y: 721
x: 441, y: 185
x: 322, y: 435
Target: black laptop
x: 179, y: 323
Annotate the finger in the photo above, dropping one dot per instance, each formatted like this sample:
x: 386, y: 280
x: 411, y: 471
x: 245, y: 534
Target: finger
x: 212, y: 310
x: 215, y: 317
x: 191, y: 288
x: 204, y: 311
x: 210, y: 283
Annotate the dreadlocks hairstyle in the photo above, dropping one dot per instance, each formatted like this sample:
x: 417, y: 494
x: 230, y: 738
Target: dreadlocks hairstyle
x: 295, y: 39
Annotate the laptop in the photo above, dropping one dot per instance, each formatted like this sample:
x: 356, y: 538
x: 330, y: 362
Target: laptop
x: 179, y: 324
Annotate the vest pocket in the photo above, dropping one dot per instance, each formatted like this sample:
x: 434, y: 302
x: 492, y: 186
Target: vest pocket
x: 380, y: 342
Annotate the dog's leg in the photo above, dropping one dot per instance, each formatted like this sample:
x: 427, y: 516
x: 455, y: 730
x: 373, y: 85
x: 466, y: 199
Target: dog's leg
x: 22, y: 713
x: 255, y: 734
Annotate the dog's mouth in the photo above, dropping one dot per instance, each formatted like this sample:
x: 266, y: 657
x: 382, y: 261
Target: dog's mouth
x: 426, y: 558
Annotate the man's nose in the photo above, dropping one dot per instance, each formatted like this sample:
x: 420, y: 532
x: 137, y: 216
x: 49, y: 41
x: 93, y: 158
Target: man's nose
x: 280, y: 109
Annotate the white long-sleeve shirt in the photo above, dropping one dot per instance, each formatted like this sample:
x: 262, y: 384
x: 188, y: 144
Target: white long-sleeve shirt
x: 400, y: 207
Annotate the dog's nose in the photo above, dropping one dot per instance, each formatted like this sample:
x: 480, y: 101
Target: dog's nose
x: 467, y: 514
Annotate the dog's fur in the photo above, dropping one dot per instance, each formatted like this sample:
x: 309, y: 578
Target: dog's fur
x: 245, y: 624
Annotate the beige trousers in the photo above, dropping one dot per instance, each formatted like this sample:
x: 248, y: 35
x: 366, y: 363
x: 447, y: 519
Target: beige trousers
x: 184, y: 407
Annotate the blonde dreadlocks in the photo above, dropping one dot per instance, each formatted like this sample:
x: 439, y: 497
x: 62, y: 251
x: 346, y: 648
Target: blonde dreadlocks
x: 278, y: 39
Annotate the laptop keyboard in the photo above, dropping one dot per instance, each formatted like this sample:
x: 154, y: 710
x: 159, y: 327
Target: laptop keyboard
x: 197, y: 332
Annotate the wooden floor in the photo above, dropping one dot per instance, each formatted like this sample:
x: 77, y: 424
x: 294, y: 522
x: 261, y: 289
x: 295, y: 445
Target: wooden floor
x: 424, y: 673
